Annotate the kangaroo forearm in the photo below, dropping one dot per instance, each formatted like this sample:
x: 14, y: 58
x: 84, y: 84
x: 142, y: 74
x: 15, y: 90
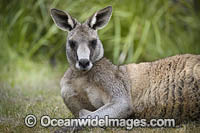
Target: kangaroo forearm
x: 113, y: 110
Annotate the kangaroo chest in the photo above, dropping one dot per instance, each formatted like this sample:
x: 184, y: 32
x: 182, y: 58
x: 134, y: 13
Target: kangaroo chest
x: 92, y: 94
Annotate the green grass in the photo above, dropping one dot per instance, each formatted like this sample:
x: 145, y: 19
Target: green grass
x: 138, y: 31
x: 29, y: 90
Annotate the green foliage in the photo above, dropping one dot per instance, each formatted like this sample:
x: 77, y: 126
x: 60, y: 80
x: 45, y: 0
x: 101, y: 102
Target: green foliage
x: 138, y: 31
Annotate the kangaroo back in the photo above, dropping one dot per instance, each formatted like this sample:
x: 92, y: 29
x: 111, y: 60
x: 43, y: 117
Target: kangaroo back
x: 167, y: 88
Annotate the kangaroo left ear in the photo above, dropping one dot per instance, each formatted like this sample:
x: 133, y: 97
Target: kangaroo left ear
x: 100, y: 18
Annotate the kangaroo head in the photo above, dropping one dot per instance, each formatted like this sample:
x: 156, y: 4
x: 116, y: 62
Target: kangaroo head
x: 83, y: 46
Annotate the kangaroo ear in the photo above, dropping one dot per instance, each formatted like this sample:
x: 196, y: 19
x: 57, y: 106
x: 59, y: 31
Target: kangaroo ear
x: 100, y: 18
x: 63, y: 20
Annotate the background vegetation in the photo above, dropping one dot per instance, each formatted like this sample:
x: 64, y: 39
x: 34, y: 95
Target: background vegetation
x: 32, y: 49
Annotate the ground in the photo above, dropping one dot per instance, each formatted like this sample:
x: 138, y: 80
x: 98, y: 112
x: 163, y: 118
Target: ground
x: 33, y: 88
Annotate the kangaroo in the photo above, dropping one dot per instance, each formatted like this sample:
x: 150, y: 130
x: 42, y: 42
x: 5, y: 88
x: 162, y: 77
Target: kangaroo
x: 93, y: 86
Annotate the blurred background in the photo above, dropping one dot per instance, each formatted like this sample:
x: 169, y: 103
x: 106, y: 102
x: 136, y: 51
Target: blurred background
x: 32, y: 48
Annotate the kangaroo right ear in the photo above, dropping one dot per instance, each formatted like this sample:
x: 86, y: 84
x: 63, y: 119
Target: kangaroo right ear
x: 63, y: 20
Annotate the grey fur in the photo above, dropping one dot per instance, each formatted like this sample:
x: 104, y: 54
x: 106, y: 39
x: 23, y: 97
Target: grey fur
x: 167, y: 88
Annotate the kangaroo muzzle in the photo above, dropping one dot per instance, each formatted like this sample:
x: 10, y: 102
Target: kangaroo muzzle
x: 83, y: 63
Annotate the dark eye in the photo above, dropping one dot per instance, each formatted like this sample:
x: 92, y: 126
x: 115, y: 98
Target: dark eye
x: 93, y: 43
x: 72, y: 44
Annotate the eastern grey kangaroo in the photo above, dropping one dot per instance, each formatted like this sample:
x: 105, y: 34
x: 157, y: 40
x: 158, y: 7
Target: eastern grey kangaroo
x: 92, y: 85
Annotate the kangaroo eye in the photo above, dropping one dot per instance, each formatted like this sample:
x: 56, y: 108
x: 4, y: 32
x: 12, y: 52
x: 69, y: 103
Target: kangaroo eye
x: 93, y: 43
x: 72, y: 44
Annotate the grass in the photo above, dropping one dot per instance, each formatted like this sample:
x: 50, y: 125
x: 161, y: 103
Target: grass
x: 29, y: 91
x: 32, y: 51
x: 138, y: 30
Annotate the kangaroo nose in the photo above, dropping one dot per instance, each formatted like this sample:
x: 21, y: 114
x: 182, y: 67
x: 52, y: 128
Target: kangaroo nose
x: 84, y: 63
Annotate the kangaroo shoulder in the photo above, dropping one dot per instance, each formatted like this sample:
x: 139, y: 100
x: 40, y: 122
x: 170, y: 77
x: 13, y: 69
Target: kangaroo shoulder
x: 102, y: 70
x: 110, y: 77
